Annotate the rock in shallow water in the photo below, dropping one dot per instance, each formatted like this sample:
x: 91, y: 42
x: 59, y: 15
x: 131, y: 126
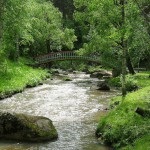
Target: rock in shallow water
x: 23, y: 127
x: 103, y: 86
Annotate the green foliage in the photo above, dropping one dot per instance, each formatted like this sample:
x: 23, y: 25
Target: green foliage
x: 101, y: 31
x: 18, y: 76
x: 143, y: 79
x: 115, y: 82
x: 32, y: 27
x: 123, y: 126
x: 131, y: 82
x: 140, y: 144
x: 3, y: 62
x: 14, y: 26
x: 46, y: 25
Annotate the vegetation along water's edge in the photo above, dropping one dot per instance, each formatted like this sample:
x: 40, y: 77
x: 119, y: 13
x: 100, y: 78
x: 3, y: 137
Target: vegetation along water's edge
x: 18, y: 77
x: 127, y: 125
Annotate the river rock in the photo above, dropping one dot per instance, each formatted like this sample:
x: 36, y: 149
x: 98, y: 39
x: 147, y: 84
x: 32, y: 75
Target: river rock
x: 23, y: 127
x: 56, y: 72
x: 85, y: 70
x: 70, y: 70
x: 65, y: 73
x: 101, y: 74
x: 106, y: 77
x: 103, y: 86
x: 67, y: 79
x: 94, y: 75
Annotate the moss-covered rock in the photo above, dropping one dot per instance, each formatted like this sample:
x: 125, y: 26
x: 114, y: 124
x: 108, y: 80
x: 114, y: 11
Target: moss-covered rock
x: 23, y: 127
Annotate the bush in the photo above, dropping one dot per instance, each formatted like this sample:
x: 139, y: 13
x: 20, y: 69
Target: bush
x: 115, y: 82
x: 131, y: 83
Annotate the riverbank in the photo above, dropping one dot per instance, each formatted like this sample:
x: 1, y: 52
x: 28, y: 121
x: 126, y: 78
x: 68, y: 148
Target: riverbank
x: 18, y: 77
x: 123, y: 127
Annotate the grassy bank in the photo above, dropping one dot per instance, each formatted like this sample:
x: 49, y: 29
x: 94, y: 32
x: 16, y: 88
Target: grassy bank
x: 122, y: 127
x: 18, y: 77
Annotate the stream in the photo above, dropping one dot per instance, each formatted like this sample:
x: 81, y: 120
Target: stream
x: 74, y: 107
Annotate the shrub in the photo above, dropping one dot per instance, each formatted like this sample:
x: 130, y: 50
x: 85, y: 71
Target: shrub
x: 115, y: 82
x: 131, y: 82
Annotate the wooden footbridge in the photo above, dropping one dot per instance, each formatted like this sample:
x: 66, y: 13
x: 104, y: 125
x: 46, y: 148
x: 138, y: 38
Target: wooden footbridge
x: 64, y: 55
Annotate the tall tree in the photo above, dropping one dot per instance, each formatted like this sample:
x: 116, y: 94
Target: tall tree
x: 66, y: 7
x: 144, y: 7
x: 110, y: 29
x: 47, y: 28
x: 14, y: 26
x: 123, y: 45
x: 32, y: 27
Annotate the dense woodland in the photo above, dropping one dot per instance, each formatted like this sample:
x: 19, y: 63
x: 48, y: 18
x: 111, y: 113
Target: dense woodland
x: 105, y: 28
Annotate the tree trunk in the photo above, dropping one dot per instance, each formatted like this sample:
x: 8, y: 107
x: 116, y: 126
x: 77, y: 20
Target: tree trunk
x: 17, y: 48
x: 129, y: 65
x: 1, y: 19
x: 123, y: 68
x: 48, y: 46
x: 66, y: 7
x: 32, y: 51
x: 124, y: 47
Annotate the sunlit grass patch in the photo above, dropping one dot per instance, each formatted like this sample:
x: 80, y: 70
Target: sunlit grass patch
x: 18, y: 76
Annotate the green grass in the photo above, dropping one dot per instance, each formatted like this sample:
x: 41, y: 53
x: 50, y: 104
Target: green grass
x: 19, y: 76
x: 140, y: 144
x: 123, y: 126
x: 133, y: 82
x: 143, y: 79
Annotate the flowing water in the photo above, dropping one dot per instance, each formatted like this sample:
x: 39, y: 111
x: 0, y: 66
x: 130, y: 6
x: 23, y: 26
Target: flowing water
x: 73, y: 106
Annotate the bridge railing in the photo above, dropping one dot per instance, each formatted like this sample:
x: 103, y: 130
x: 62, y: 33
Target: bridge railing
x: 62, y: 56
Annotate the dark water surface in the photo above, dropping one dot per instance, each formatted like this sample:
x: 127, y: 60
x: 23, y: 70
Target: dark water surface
x: 74, y: 107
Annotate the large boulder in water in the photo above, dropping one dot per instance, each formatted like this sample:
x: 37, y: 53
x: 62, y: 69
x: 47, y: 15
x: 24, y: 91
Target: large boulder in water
x: 102, y: 85
x: 23, y: 127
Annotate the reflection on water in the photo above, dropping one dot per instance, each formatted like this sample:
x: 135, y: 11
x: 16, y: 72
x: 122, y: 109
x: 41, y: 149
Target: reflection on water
x: 73, y: 106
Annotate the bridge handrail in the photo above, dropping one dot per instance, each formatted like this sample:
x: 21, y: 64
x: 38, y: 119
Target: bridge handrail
x: 51, y: 53
x: 63, y: 55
